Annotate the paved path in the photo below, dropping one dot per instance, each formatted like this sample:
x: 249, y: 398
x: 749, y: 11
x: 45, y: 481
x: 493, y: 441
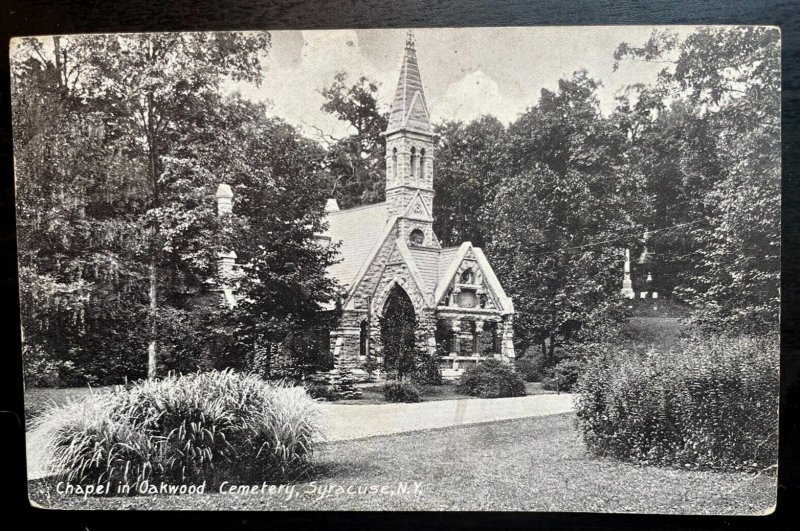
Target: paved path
x: 344, y: 422
x: 358, y: 421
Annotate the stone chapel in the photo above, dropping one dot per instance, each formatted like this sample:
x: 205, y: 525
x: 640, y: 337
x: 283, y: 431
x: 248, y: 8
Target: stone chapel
x: 389, y: 250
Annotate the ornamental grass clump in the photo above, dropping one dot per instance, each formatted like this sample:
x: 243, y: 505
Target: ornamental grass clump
x: 705, y: 404
x: 491, y: 379
x: 208, y: 427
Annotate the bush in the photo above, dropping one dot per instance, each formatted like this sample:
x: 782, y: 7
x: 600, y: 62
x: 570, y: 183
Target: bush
x: 212, y: 427
x: 490, y: 379
x: 320, y: 391
x: 706, y: 404
x: 401, y: 392
x: 531, y: 368
x: 564, y: 375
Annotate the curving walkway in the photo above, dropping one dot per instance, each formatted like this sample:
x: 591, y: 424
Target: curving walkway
x: 345, y: 422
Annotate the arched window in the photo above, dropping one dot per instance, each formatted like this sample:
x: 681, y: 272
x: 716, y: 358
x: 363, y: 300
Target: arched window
x: 413, y: 163
x: 362, y: 340
x: 417, y: 237
x: 468, y: 277
x: 422, y: 163
x: 394, y: 163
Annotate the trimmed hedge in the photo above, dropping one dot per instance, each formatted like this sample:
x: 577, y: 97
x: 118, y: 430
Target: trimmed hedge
x: 401, y: 392
x: 706, y: 404
x: 491, y: 379
x: 213, y: 427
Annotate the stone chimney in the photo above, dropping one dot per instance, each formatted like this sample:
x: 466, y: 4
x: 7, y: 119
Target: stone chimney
x: 330, y: 206
x: 224, y: 199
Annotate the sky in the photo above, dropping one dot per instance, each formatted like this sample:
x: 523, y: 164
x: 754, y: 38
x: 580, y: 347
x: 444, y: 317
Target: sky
x: 466, y: 72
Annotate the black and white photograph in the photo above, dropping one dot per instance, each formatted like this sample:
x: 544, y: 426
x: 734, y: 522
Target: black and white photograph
x: 421, y: 269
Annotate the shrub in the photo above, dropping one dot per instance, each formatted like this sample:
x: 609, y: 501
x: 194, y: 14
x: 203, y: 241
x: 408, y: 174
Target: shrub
x: 426, y: 369
x: 401, y: 392
x: 320, y: 391
x: 563, y: 375
x: 211, y: 427
x: 531, y: 368
x: 491, y: 379
x: 705, y: 404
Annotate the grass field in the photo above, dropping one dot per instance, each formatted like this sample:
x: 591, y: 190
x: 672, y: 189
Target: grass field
x: 537, y: 464
x: 37, y: 399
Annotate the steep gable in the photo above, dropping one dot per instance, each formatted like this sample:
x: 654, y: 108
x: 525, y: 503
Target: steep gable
x: 467, y: 256
x: 357, y: 231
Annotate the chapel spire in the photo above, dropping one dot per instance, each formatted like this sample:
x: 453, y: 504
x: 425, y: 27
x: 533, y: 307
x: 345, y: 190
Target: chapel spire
x: 409, y: 108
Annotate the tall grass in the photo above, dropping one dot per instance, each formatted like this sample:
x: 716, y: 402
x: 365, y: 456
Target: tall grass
x: 211, y: 427
x: 705, y: 403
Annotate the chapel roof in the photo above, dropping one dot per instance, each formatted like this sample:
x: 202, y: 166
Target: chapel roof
x: 358, y: 229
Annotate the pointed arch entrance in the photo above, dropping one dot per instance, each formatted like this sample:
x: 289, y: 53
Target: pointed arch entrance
x: 398, y: 325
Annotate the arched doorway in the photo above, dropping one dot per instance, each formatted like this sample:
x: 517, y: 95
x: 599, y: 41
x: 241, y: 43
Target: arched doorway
x: 398, y: 326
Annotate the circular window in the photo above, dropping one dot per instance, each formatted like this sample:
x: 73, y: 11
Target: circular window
x: 417, y: 237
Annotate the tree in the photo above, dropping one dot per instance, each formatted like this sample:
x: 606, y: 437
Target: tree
x: 727, y: 83
x: 133, y: 100
x: 561, y: 217
x: 468, y: 168
x: 279, y: 194
x: 356, y: 163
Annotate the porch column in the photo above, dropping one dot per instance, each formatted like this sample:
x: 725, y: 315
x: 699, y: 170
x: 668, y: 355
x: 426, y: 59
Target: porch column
x: 455, y: 344
x: 477, y: 338
x: 507, y: 339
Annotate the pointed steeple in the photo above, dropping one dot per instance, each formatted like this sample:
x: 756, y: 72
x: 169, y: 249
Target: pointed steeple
x: 409, y: 108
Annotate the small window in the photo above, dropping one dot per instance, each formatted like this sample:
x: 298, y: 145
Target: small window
x: 468, y: 277
x: 417, y: 237
x: 422, y: 163
x: 394, y: 163
x: 413, y: 163
x: 362, y: 340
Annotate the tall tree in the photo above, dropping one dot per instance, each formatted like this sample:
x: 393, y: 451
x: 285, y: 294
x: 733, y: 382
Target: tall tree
x: 278, y: 183
x: 356, y: 163
x: 562, y: 215
x: 726, y: 83
x: 468, y: 168
x: 146, y: 92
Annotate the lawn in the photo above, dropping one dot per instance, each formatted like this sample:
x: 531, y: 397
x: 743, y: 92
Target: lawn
x: 537, y: 464
x: 373, y: 394
x: 37, y: 399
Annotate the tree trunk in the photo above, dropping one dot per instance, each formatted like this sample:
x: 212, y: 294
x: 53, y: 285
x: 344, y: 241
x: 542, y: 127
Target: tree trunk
x: 152, y: 345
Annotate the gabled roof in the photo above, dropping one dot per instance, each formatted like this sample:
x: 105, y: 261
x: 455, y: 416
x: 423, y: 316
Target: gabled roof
x: 409, y: 108
x: 358, y: 231
x: 457, y: 255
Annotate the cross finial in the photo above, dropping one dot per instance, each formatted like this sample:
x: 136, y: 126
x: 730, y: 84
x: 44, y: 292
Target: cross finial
x: 410, y: 39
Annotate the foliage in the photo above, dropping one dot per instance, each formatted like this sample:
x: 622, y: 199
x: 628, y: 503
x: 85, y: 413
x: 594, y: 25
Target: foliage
x: 355, y: 164
x: 491, y: 378
x: 531, y: 367
x: 468, y: 169
x: 213, y: 427
x: 567, y: 189
x: 113, y: 178
x: 709, y: 403
x: 563, y: 375
x: 718, y: 148
x: 320, y: 391
x: 397, y: 391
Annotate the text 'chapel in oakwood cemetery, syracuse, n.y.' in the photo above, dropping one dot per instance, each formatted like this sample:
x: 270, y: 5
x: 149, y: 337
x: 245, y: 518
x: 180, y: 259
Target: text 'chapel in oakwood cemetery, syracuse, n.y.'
x: 391, y: 260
